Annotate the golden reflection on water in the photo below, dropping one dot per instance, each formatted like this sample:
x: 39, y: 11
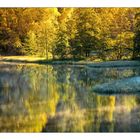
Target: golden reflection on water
x: 36, y: 98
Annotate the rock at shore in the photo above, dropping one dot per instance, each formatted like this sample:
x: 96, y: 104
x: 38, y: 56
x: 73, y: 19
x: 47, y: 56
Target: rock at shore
x: 120, y: 63
x: 127, y: 85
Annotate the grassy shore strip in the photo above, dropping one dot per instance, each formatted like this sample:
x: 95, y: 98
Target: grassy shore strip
x: 41, y: 60
x: 121, y: 63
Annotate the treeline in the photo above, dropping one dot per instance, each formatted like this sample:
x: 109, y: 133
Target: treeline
x: 63, y: 33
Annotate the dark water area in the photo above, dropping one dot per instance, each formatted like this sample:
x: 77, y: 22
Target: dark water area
x: 44, y: 98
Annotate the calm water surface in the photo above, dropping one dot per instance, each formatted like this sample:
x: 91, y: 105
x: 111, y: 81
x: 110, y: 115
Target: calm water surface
x: 42, y: 98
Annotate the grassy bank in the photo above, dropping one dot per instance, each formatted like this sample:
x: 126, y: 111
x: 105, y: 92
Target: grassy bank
x: 21, y: 58
x: 92, y: 64
x: 41, y: 60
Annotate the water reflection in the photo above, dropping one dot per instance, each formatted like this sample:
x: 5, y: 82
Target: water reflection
x: 39, y: 98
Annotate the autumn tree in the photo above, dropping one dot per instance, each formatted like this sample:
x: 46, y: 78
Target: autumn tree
x: 61, y: 33
x: 136, y: 51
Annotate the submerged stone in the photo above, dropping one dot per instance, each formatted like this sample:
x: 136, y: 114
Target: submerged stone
x: 127, y: 85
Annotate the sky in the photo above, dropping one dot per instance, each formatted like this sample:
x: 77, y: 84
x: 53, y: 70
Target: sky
x: 69, y: 3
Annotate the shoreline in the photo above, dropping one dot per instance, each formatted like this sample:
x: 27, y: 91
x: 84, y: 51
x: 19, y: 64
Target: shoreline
x: 90, y: 64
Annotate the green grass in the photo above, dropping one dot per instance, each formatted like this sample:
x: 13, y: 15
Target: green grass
x: 88, y: 62
x: 22, y: 58
x: 39, y: 60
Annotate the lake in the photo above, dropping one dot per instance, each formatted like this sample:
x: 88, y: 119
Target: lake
x: 59, y: 98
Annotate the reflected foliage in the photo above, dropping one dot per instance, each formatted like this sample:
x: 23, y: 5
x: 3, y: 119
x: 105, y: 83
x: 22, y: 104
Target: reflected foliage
x: 40, y: 98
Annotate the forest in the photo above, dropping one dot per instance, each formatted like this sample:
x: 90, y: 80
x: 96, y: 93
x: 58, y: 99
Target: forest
x: 71, y: 33
x: 69, y: 69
